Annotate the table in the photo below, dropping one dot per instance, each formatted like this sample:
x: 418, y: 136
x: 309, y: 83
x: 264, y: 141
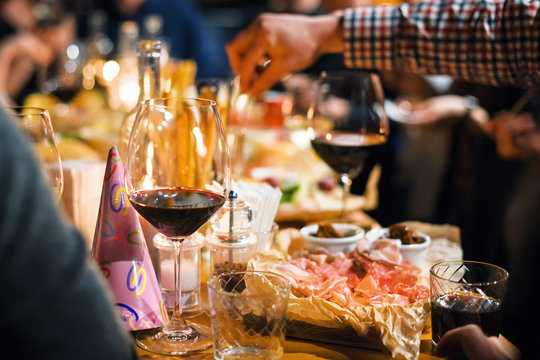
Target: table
x: 308, y: 350
x: 305, y: 350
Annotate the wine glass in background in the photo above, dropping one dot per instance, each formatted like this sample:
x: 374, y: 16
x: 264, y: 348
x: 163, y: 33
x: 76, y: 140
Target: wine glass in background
x: 177, y: 177
x: 347, y: 124
x: 36, y: 123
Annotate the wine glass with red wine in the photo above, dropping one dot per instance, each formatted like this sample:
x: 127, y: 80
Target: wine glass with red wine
x: 177, y: 177
x: 347, y: 124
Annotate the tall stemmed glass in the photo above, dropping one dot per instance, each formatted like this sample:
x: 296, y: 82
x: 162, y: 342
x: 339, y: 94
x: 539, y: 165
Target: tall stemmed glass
x: 36, y: 124
x: 177, y: 177
x: 347, y: 123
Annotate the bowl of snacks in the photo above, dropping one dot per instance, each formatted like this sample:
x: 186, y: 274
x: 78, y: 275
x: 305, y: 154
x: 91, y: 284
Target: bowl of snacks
x: 334, y: 237
x: 413, y: 244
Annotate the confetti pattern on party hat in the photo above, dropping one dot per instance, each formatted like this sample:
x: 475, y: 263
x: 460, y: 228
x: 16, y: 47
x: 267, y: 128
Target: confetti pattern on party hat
x: 120, y: 250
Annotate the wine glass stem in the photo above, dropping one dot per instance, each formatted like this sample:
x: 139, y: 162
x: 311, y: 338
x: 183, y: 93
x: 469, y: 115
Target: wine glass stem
x: 346, y: 183
x: 177, y: 320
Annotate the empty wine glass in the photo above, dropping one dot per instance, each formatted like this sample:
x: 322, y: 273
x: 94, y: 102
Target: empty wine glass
x: 36, y: 123
x: 177, y: 177
x: 347, y: 124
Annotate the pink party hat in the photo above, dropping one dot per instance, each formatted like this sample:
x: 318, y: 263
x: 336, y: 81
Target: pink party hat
x: 120, y: 250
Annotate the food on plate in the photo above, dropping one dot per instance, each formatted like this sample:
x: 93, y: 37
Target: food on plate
x: 404, y: 233
x: 373, y: 274
x: 328, y: 183
x: 45, y: 101
x: 357, y: 279
x: 73, y: 148
x: 333, y: 237
x: 327, y: 230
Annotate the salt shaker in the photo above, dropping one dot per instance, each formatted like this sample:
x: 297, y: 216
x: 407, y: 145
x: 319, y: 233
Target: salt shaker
x: 190, y: 268
x: 230, y: 240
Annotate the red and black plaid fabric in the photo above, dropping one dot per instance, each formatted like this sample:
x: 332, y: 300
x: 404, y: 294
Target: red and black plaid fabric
x: 487, y: 41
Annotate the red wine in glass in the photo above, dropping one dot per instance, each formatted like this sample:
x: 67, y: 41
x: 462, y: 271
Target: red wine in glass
x: 347, y: 124
x: 346, y: 152
x: 176, y: 212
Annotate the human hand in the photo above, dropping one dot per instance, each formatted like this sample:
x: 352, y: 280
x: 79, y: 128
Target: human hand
x: 439, y: 108
x: 290, y: 42
x: 470, y: 342
x: 513, y: 135
x: 26, y: 44
x: 18, y: 56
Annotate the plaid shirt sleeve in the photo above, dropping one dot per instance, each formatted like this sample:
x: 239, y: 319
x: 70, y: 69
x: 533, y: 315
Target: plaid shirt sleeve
x: 487, y: 41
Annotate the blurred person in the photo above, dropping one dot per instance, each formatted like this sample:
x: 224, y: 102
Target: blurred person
x: 55, y: 303
x: 184, y: 29
x: 488, y: 42
x: 30, y: 41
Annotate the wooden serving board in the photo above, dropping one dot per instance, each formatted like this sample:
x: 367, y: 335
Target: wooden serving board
x: 339, y: 336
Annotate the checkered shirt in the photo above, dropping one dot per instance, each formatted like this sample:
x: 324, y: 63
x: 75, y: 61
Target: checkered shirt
x: 486, y: 41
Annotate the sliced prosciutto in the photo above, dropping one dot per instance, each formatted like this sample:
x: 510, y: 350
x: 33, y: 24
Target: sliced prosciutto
x: 374, y: 274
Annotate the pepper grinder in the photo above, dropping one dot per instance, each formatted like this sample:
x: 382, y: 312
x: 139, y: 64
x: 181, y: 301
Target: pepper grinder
x: 230, y: 240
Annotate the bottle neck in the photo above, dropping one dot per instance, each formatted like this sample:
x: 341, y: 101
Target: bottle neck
x: 149, y: 53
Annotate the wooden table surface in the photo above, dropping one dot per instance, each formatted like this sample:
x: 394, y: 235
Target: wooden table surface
x: 308, y: 350
x: 299, y: 349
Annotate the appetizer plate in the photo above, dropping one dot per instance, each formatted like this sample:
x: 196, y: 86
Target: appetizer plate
x: 344, y: 244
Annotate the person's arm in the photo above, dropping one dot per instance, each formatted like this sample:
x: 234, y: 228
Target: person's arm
x: 54, y: 303
x: 486, y: 41
x: 291, y: 42
x: 19, y: 54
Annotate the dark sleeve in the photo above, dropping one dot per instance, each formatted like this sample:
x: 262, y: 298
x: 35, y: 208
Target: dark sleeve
x: 53, y: 302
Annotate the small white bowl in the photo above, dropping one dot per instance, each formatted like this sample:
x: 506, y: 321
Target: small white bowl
x: 414, y: 253
x: 333, y: 245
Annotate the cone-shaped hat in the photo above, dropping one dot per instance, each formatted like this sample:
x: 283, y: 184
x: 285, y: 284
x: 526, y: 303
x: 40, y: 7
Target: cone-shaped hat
x: 120, y: 250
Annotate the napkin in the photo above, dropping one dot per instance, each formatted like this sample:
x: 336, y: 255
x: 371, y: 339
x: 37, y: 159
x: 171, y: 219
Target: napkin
x: 120, y: 250
x: 80, y: 199
x: 264, y: 199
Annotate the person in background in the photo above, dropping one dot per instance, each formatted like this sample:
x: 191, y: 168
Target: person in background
x: 30, y: 40
x: 488, y: 42
x: 183, y: 28
x: 55, y: 303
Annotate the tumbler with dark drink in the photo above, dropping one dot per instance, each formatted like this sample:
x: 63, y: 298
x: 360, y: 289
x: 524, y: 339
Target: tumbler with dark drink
x: 466, y: 292
x: 456, y: 308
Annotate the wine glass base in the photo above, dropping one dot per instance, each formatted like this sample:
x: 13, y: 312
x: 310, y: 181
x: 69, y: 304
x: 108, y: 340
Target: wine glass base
x: 194, y: 339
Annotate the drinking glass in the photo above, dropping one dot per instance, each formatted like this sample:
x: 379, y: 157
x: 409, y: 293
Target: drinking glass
x: 249, y: 313
x: 466, y: 292
x: 36, y: 124
x: 177, y: 177
x: 347, y: 124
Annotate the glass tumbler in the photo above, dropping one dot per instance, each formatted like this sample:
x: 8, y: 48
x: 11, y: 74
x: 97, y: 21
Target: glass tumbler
x: 248, y: 313
x: 466, y: 292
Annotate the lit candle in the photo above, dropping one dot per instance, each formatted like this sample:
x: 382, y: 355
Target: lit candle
x: 190, y: 278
